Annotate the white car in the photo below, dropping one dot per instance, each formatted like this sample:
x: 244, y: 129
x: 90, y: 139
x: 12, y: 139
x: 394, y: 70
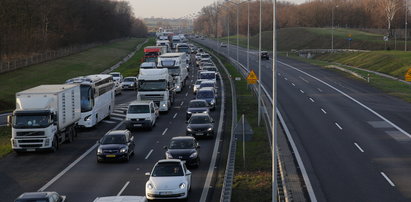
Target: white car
x: 121, y: 199
x: 117, y: 76
x: 196, y: 86
x: 130, y: 83
x: 169, y: 179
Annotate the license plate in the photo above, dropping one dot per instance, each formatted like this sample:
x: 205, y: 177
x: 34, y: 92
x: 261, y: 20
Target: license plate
x: 165, y: 193
x: 110, y: 155
x: 31, y: 150
x: 138, y: 125
x: 199, y: 133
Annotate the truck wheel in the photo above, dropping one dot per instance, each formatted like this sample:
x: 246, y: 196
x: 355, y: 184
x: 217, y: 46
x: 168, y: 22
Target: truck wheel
x: 55, y: 144
x: 70, y: 136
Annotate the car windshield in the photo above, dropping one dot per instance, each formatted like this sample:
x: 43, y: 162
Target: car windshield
x: 199, y: 119
x: 207, y: 75
x: 205, y: 94
x: 129, y: 80
x: 32, y: 121
x: 32, y: 200
x: 195, y: 104
x: 115, y: 75
x: 138, y: 109
x: 181, y: 144
x: 205, y: 56
x: 202, y: 85
x: 167, y: 169
x: 152, y: 85
x: 198, y: 82
x: 113, y: 139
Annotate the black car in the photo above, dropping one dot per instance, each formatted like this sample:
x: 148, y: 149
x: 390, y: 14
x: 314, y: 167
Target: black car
x: 197, y: 106
x: 200, y: 125
x: 264, y: 55
x: 116, y: 145
x: 184, y: 148
x: 41, y: 196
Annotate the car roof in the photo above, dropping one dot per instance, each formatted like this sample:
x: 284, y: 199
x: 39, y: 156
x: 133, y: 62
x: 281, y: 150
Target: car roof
x: 198, y: 100
x: 200, y: 114
x: 141, y: 102
x: 169, y: 161
x: 183, y: 138
x: 133, y: 77
x: 28, y: 195
x: 121, y: 199
x: 116, y: 132
x: 208, y: 81
x: 207, y: 89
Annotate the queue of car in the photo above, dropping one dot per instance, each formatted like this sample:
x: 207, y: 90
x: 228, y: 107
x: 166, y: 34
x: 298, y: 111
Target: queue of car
x: 169, y: 178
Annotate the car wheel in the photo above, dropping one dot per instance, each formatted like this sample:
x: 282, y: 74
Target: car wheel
x: 99, y: 161
x: 127, y: 158
x: 55, y: 144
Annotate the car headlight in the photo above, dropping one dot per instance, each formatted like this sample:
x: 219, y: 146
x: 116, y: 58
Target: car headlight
x: 189, y: 129
x: 87, y: 118
x: 132, y: 84
x: 188, y: 112
x: 164, y: 105
x: 194, y: 155
x: 46, y: 142
x: 150, y: 186
x: 123, y: 150
x: 177, y: 86
x: 99, y: 151
x: 182, y: 185
x: 212, y: 102
x: 168, y: 155
x: 210, y: 129
x: 205, y: 112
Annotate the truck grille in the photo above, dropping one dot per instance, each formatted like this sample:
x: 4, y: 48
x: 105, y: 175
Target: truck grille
x: 154, y: 97
x: 30, y: 133
x: 31, y: 141
x: 110, y: 151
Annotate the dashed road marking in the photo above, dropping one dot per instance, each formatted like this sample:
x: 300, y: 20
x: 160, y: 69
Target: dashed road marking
x: 301, y: 91
x: 124, y: 187
x: 149, y: 153
x: 312, y: 100
x: 110, y: 122
x: 165, y: 130
x: 319, y: 89
x: 175, y: 115
x: 304, y: 79
x: 338, y: 125
x: 182, y: 103
x: 388, y: 179
x: 358, y: 146
x: 293, y: 84
x: 285, y: 78
x: 323, y: 111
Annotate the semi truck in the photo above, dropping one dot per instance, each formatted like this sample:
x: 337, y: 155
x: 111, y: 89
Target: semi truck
x: 151, y: 53
x: 45, y: 117
x: 176, y: 63
x: 156, y: 85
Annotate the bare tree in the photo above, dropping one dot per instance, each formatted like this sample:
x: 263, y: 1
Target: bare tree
x: 390, y: 7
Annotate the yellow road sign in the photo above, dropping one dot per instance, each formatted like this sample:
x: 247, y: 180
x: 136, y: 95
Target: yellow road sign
x: 349, y: 35
x: 252, y: 78
x: 408, y: 75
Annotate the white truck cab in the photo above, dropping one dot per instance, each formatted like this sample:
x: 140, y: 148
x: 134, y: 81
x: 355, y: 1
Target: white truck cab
x: 141, y: 114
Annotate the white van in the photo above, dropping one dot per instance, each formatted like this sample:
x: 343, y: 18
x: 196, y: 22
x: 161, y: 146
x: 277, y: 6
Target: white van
x: 141, y: 114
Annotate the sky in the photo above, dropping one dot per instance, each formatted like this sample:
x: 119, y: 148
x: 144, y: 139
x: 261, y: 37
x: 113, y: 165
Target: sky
x: 172, y: 8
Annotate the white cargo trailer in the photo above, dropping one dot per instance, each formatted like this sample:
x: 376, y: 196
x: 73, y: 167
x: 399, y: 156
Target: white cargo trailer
x: 45, y: 117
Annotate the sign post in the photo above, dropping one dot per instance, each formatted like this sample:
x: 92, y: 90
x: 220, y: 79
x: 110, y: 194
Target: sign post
x: 349, y: 40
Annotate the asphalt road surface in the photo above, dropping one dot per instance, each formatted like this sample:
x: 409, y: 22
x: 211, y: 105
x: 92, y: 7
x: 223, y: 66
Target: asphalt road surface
x: 353, y: 139
x: 88, y: 179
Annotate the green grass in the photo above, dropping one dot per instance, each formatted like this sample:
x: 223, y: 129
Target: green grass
x: 317, y: 38
x: 132, y: 66
x: 91, y: 61
x: 5, y: 135
x: 388, y: 86
x: 253, y: 180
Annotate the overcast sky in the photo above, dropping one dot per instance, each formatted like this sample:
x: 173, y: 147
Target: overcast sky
x: 172, y: 8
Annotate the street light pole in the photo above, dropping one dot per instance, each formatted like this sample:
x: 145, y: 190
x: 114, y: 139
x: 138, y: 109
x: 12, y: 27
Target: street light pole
x: 406, y: 24
x: 259, y: 67
x: 248, y: 35
x: 238, y: 5
x: 274, y: 112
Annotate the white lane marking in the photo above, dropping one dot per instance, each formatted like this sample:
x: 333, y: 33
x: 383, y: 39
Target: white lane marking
x: 118, y: 111
x: 175, y: 115
x: 319, y: 89
x: 338, y: 125
x: 293, y: 84
x: 285, y: 78
x: 323, y: 111
x: 122, y: 189
x: 309, y: 187
x: 165, y: 130
x: 358, y: 146
x: 304, y: 79
x: 149, y: 153
x: 116, y: 118
x: 388, y: 179
x: 110, y: 122
x: 279, y: 74
x: 118, y: 114
x: 182, y: 103
x: 312, y: 100
x: 351, y: 98
x: 301, y: 91
x: 189, y: 87
x: 186, y: 94
x: 58, y: 176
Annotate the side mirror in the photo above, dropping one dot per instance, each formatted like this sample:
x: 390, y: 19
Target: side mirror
x: 198, y: 146
x: 165, y: 147
x: 212, y: 121
x: 147, y: 174
x: 131, y: 138
x: 188, y: 173
x: 98, y: 141
x: 125, y: 111
x: 187, y: 121
x: 9, y: 120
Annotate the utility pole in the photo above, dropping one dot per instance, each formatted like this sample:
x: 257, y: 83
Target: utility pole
x: 248, y: 35
x: 274, y: 118
x: 406, y: 24
x: 259, y: 68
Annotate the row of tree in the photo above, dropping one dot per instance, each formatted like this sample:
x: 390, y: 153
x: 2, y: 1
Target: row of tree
x: 31, y: 26
x: 220, y: 18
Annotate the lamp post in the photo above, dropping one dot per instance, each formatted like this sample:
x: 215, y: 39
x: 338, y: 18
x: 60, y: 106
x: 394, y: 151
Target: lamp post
x: 406, y: 25
x: 274, y: 112
x: 238, y: 5
x: 259, y: 67
x: 248, y: 35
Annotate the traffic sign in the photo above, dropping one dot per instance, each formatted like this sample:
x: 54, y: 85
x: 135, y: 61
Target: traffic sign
x: 408, y: 75
x: 385, y: 38
x: 349, y: 35
x: 252, y: 77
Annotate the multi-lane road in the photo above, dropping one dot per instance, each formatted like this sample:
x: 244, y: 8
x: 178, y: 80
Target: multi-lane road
x: 354, y: 140
x: 73, y: 170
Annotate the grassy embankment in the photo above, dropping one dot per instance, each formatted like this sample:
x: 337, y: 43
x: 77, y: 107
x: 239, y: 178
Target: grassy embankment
x: 91, y: 61
x: 394, y: 63
x: 317, y: 38
x: 254, y: 179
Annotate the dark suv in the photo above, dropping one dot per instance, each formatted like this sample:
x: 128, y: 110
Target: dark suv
x: 264, y: 55
x: 115, y: 145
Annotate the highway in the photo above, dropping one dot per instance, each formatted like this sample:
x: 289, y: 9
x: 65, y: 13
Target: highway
x: 73, y: 170
x: 353, y: 139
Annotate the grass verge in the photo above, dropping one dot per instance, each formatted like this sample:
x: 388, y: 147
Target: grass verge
x: 5, y: 135
x: 388, y: 86
x: 132, y: 66
x: 91, y: 61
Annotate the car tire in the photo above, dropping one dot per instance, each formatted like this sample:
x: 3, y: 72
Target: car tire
x: 55, y: 144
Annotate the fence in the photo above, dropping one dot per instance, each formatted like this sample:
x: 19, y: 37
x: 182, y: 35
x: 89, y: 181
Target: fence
x: 46, y: 56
